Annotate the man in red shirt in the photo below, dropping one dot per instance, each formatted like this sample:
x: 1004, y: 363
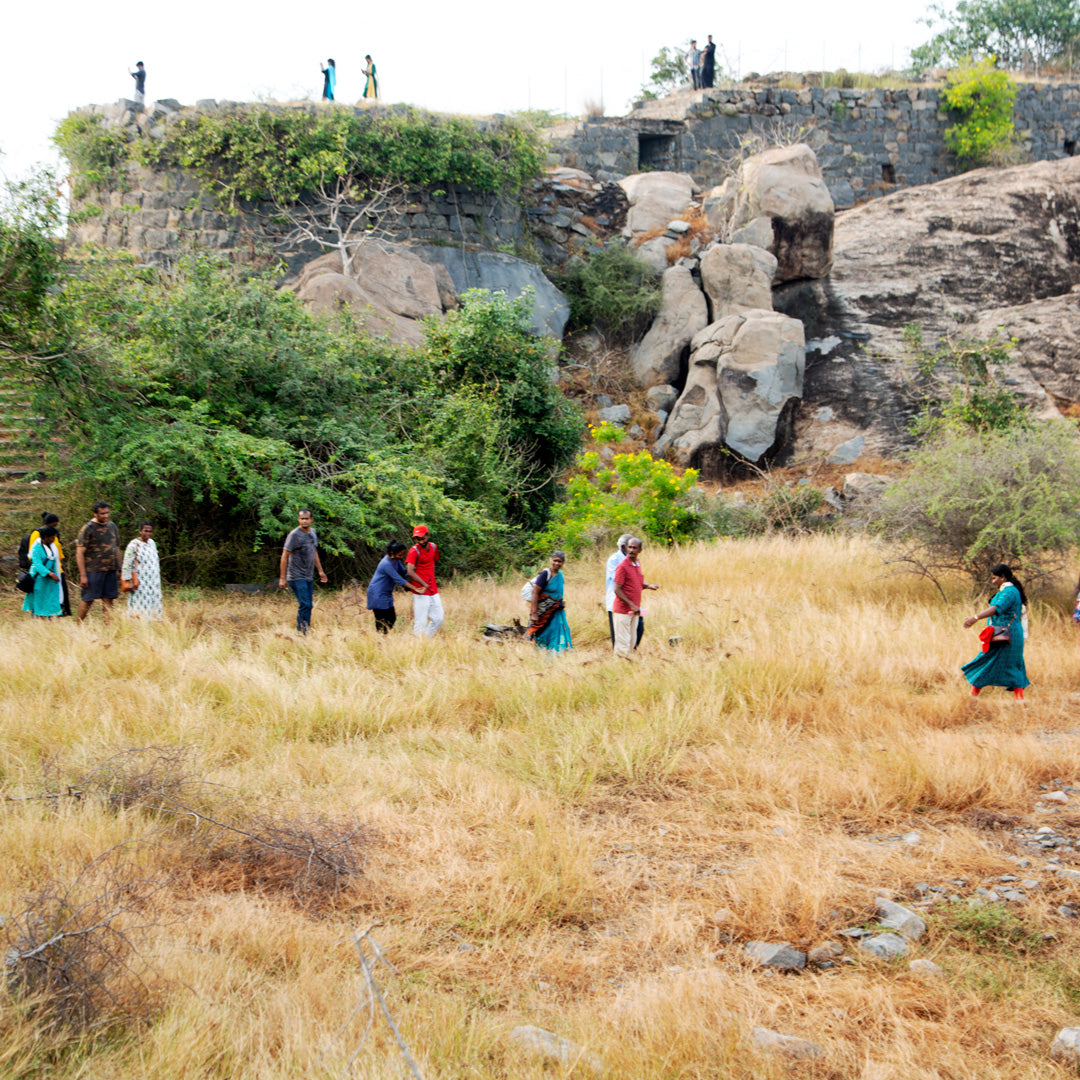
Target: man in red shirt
x: 626, y: 611
x: 420, y: 567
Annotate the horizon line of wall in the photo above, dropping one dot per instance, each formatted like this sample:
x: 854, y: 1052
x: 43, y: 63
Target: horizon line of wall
x: 868, y: 142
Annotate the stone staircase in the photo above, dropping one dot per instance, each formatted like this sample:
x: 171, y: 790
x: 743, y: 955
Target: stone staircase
x: 23, y: 456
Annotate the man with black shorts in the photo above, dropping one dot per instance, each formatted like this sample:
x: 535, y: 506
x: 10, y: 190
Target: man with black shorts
x: 97, y: 551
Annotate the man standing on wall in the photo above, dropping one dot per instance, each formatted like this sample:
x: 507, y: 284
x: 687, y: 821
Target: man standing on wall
x: 97, y: 553
x: 420, y: 567
x: 693, y: 58
x: 629, y: 583
x: 139, y: 75
x: 708, y: 63
x: 299, y: 562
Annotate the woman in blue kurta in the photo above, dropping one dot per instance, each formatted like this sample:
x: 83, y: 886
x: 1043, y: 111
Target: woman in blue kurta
x: 1001, y: 665
x: 547, y: 618
x: 47, y: 599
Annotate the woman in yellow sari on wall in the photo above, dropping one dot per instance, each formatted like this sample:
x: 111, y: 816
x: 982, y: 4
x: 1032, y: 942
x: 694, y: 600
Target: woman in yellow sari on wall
x: 371, y: 85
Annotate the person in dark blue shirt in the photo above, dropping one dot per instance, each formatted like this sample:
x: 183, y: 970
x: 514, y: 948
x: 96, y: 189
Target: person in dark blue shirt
x: 380, y: 591
x: 139, y: 75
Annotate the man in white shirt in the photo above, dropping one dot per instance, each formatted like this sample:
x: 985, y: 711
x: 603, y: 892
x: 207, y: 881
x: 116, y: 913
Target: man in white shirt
x: 614, y: 559
x: 693, y: 58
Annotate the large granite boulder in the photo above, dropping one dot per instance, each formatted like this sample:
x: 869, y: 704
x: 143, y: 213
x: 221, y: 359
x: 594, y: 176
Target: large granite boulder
x: 745, y: 379
x: 785, y: 185
x: 989, y: 248
x: 736, y: 278
x: 656, y: 198
x: 1047, y: 334
x: 660, y: 357
x: 497, y: 272
x: 387, y: 283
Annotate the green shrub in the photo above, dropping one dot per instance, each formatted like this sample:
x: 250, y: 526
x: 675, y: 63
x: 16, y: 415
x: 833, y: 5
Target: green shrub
x: 977, y: 399
x: 638, y: 493
x: 259, y: 153
x: 95, y: 152
x: 989, y: 927
x: 980, y: 99
x: 612, y: 290
x: 973, y: 499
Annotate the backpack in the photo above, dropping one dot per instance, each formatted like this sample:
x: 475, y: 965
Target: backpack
x: 527, y: 589
x: 24, y: 552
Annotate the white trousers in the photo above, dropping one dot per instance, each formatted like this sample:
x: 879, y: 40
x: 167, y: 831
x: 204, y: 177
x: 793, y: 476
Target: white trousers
x: 625, y: 633
x: 427, y: 615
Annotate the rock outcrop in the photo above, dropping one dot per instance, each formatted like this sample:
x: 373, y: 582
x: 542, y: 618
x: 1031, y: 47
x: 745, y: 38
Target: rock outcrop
x: 746, y: 375
x: 782, y: 187
x: 662, y: 354
x: 991, y: 248
x: 392, y: 287
x: 656, y: 198
x: 504, y: 273
x: 736, y: 278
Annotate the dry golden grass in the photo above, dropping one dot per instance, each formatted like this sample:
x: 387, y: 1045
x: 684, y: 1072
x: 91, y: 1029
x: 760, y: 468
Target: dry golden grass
x: 553, y: 840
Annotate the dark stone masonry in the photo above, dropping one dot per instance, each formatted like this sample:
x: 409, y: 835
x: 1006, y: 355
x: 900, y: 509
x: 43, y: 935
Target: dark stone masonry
x: 868, y: 142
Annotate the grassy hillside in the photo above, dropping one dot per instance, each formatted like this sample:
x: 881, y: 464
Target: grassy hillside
x: 578, y: 843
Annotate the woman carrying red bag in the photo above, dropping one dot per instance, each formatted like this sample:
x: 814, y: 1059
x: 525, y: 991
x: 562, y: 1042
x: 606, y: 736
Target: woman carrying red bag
x: 1001, y: 661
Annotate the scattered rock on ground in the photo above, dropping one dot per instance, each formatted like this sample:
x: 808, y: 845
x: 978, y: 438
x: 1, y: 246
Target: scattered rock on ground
x: 778, y: 955
x: 1066, y: 1046
x: 828, y: 950
x: 924, y: 967
x: 901, y: 919
x: 551, y: 1047
x: 661, y: 398
x: 772, y: 1042
x: 884, y: 945
x: 615, y: 414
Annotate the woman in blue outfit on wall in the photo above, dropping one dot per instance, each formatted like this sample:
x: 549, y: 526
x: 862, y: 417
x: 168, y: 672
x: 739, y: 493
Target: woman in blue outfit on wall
x: 547, y: 617
x: 1000, y: 664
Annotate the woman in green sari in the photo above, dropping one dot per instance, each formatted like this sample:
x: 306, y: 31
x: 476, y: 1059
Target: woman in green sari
x: 1000, y: 663
x: 547, y: 618
x: 371, y: 84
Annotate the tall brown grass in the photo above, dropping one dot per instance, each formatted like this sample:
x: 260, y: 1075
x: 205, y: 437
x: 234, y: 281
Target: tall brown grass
x: 575, y: 842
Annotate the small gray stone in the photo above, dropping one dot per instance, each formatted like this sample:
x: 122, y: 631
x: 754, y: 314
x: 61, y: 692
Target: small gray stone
x: 603, y: 401
x: 615, y: 414
x: 661, y: 397
x: 1015, y: 896
x: 847, y: 452
x: 1067, y: 911
x: 885, y: 945
x: 1067, y: 873
x: 678, y: 227
x: 911, y: 838
x: 1066, y: 1046
x: 924, y: 967
x: 552, y: 1047
x: 825, y: 952
x: 772, y: 1042
x: 901, y: 919
x: 1055, y: 796
x: 780, y: 955
x: 635, y: 431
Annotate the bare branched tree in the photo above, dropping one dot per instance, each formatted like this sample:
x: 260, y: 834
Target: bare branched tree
x: 343, y: 214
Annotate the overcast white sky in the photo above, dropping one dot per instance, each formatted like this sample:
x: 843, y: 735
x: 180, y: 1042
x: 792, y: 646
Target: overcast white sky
x: 470, y: 56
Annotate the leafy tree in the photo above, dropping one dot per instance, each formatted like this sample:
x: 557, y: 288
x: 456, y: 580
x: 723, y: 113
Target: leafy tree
x: 980, y: 100
x: 669, y: 70
x: 29, y: 267
x: 488, y: 346
x: 972, y: 499
x: 1017, y: 32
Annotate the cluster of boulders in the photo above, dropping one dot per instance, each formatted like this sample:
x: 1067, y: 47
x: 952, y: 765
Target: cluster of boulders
x: 734, y: 365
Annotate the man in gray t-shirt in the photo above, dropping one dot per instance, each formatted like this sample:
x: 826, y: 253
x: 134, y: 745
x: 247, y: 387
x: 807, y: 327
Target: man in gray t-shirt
x: 299, y: 562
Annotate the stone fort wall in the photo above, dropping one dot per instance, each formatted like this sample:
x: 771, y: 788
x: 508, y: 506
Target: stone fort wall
x: 868, y: 142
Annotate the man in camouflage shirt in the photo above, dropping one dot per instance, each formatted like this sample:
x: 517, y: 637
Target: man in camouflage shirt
x: 97, y: 551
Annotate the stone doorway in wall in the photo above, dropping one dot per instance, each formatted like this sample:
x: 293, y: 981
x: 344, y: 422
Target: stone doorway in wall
x: 658, y: 153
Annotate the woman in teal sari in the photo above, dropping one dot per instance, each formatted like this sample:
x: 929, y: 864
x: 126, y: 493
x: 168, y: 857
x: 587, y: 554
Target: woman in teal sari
x: 371, y: 83
x: 547, y: 618
x: 1000, y: 664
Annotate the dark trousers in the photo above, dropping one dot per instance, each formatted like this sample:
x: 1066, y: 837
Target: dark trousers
x: 695, y: 77
x: 303, y: 591
x: 384, y: 619
x: 640, y: 629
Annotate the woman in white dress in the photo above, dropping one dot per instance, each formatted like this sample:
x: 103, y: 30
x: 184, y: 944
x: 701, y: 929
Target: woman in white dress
x: 140, y: 575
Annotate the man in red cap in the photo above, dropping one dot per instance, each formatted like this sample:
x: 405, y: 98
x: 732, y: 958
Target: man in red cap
x: 420, y: 567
